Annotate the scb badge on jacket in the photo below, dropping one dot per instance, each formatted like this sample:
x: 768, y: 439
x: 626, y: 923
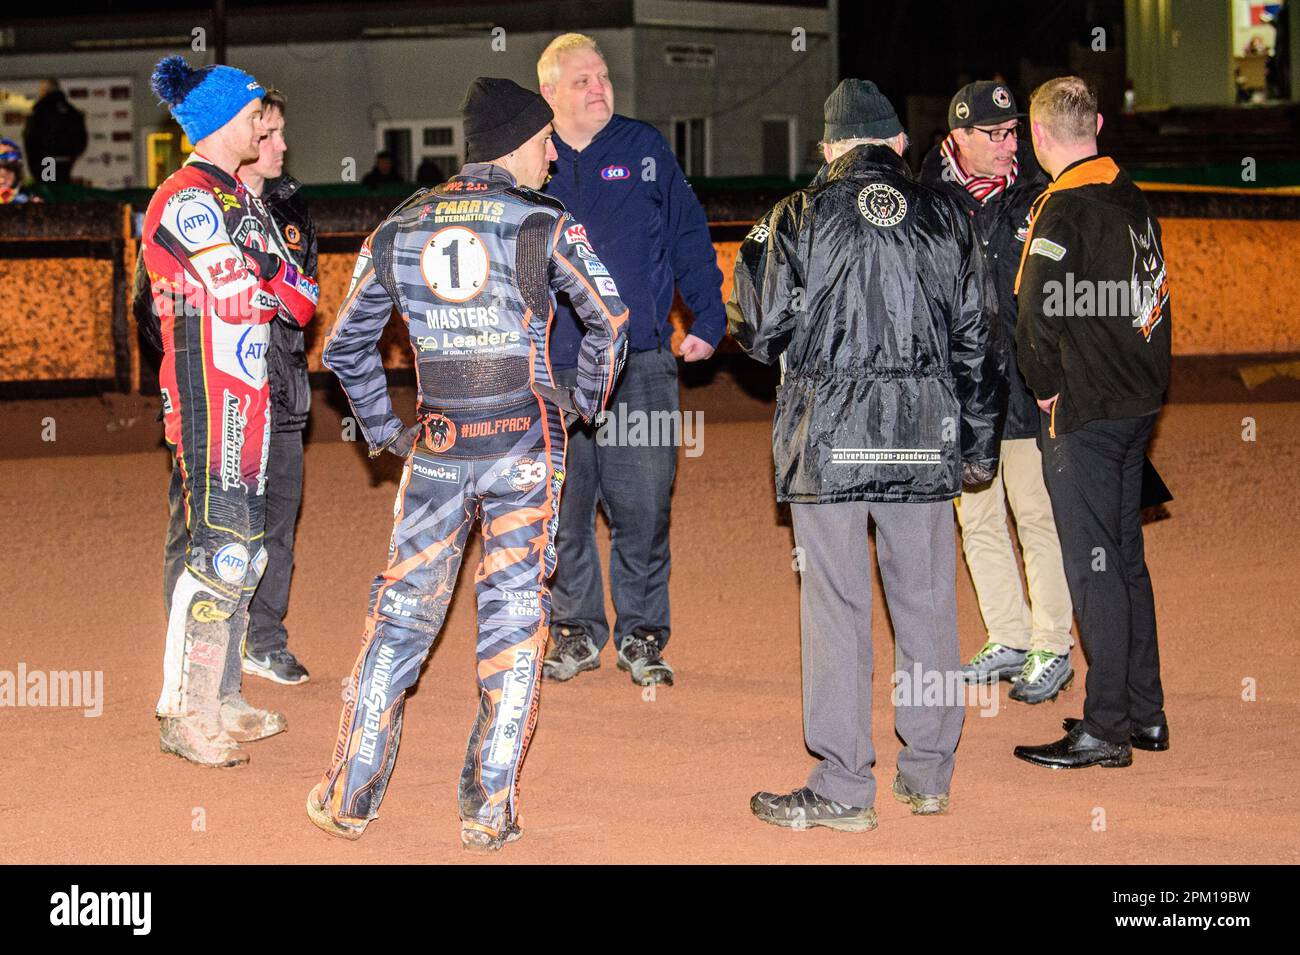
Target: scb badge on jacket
x: 868, y: 287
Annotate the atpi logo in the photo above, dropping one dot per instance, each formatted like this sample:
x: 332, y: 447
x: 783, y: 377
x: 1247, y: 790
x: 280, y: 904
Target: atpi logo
x: 252, y: 352
x: 615, y: 172
x: 196, y: 222
x: 231, y: 563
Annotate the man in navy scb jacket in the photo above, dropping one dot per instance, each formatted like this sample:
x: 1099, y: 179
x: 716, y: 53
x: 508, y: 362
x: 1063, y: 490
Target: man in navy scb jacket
x: 619, y: 178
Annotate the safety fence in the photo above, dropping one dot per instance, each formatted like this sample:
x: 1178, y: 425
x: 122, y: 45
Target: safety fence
x: 66, y: 268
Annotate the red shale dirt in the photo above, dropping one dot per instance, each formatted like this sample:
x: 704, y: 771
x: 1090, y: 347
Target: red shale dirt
x: 616, y: 775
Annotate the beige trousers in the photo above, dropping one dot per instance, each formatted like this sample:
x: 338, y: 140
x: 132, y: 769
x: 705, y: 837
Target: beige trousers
x: 1043, y: 623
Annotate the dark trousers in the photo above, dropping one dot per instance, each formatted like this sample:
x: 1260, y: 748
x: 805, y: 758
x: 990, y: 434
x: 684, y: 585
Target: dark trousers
x: 632, y: 481
x: 1094, y: 477
x: 283, y: 495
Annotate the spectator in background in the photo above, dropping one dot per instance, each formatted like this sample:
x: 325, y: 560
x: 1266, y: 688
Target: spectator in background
x: 11, y: 174
x: 429, y: 172
x: 383, y: 173
x: 55, y: 130
x: 619, y: 178
x: 1278, y: 69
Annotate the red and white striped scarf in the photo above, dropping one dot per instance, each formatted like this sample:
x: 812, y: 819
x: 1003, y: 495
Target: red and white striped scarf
x: 983, y: 188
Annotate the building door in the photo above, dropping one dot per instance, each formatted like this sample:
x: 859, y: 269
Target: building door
x: 778, y: 147
x: 691, y: 145
x: 397, y: 142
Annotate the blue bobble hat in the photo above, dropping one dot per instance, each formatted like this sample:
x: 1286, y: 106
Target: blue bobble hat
x: 203, y: 100
x: 10, y: 151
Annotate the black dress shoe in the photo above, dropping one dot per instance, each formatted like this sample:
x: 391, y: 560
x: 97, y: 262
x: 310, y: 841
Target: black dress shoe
x: 1076, y: 750
x: 1154, y: 739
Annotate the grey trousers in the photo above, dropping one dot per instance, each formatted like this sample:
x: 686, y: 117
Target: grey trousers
x: 918, y: 564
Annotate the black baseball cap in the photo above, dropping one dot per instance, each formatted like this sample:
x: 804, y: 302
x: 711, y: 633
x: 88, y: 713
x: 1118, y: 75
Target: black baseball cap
x: 982, y: 103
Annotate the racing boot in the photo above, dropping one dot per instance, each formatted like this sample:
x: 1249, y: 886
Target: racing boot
x: 198, y: 636
x: 201, y: 740
x: 246, y: 723
x: 320, y: 816
x: 477, y: 838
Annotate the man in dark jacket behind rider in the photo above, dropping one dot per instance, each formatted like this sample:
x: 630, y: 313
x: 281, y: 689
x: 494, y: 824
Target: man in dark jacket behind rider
x: 867, y: 286
x: 55, y: 130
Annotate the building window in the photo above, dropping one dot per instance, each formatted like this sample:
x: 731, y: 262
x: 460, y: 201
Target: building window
x: 439, y: 136
x: 691, y: 145
x: 426, y: 151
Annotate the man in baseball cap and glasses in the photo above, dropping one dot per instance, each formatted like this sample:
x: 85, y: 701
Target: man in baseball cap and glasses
x: 990, y: 171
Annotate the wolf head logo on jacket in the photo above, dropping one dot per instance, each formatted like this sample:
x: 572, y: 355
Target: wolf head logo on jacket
x: 1149, y: 285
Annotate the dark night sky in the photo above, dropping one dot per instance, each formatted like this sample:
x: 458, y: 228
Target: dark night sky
x: 923, y: 46
x: 906, y: 46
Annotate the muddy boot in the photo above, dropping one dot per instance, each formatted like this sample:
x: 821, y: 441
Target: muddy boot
x: 320, y: 815
x: 201, y: 740
x: 245, y: 722
x: 476, y: 838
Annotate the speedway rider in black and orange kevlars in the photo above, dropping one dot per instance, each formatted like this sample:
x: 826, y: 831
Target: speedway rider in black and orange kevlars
x: 472, y: 267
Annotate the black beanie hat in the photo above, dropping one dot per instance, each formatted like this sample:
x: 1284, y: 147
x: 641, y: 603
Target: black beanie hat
x: 857, y: 110
x: 500, y: 116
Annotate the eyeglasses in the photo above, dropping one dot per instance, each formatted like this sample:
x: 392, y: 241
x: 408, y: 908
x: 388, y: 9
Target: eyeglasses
x: 997, y: 135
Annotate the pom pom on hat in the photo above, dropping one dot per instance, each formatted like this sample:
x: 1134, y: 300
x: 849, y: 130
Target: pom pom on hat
x: 173, y: 79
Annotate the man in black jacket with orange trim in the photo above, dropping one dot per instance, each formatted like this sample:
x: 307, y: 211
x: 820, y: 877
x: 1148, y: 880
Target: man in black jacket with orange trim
x: 1093, y: 342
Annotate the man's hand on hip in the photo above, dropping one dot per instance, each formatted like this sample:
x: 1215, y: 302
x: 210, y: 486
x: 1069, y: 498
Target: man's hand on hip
x: 1046, y: 403
x: 695, y: 349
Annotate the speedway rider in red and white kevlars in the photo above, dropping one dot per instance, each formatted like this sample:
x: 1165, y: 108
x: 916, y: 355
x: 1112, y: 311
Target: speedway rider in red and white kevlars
x: 217, y: 283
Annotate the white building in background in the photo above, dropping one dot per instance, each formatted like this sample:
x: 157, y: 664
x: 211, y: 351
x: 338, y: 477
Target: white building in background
x: 736, y: 87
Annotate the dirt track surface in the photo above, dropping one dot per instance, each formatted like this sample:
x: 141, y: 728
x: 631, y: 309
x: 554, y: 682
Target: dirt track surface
x: 616, y: 777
